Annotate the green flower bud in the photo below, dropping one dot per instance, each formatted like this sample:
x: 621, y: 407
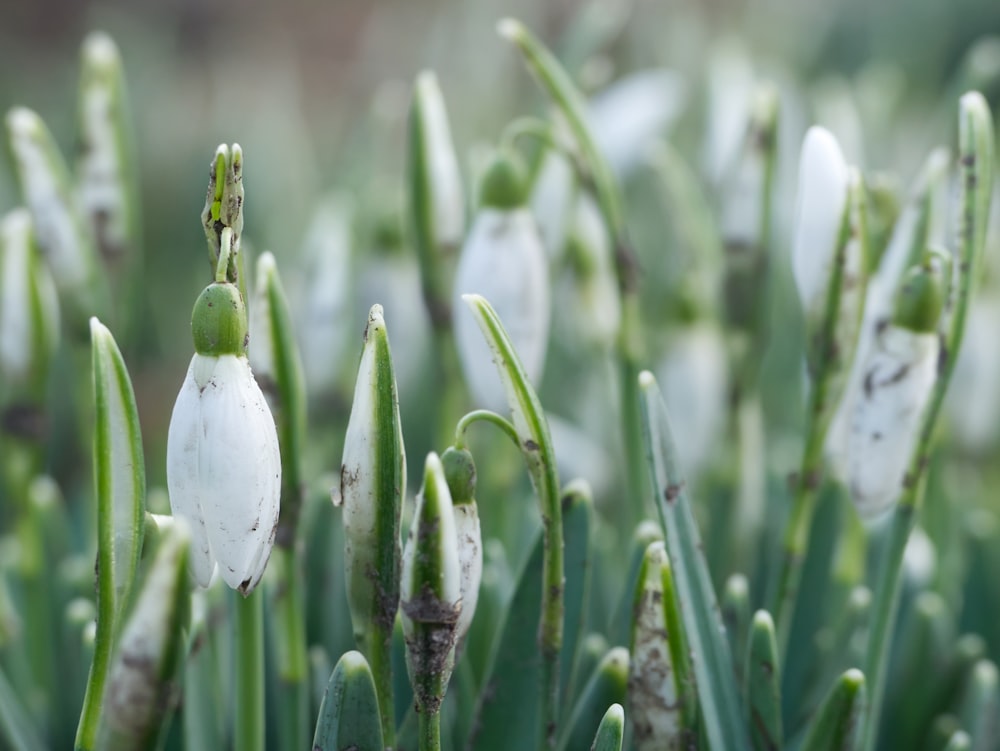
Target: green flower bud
x: 219, y: 321
x: 460, y: 472
x: 505, y: 184
x: 921, y: 294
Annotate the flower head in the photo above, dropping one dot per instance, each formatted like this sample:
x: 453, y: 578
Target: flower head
x: 223, y: 463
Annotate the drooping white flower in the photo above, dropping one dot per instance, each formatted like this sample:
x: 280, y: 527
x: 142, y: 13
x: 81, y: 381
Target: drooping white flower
x: 898, y: 378
x: 504, y: 261
x: 223, y: 462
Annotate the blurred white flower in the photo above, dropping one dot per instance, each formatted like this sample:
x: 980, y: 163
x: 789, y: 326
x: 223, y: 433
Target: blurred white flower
x: 634, y: 111
x: 899, y: 375
x: 694, y: 379
x: 224, y: 470
x: 504, y: 261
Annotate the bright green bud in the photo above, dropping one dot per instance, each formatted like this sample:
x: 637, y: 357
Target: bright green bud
x: 460, y: 472
x: 219, y: 321
x: 921, y: 295
x: 505, y: 184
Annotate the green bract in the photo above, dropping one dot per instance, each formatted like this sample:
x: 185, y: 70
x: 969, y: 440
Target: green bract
x: 219, y: 321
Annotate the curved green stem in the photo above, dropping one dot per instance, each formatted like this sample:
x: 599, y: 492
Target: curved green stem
x: 484, y: 415
x: 430, y: 731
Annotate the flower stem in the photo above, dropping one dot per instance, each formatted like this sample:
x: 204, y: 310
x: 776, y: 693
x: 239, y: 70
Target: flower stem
x: 249, y: 712
x: 484, y: 415
x: 430, y: 731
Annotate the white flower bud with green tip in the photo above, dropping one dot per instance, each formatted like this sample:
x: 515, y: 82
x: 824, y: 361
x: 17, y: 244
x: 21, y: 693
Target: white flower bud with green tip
x: 822, y: 202
x: 460, y: 473
x: 899, y: 376
x: 223, y: 461
x: 29, y: 306
x: 431, y: 590
x: 504, y: 261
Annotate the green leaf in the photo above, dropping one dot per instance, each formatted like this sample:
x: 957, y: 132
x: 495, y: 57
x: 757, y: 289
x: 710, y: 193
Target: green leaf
x: 606, y: 686
x: 372, y: 486
x: 349, y: 714
x: 645, y: 534
x: 611, y: 730
x: 836, y: 725
x: 763, y: 685
x: 507, y: 715
x: 717, y: 691
x: 980, y: 708
x: 120, y: 487
x: 142, y: 689
x: 16, y: 726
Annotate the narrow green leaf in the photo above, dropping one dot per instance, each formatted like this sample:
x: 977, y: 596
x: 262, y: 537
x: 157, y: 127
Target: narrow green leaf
x: 16, y: 726
x: 736, y: 618
x: 763, y: 685
x: 142, y: 689
x: 578, y: 578
x: 980, y: 709
x: 507, y: 715
x: 539, y: 455
x: 718, y: 695
x: 349, y: 714
x: 836, y: 725
x: 606, y: 686
x: 372, y: 486
x: 611, y: 730
x: 645, y: 534
x: 120, y: 487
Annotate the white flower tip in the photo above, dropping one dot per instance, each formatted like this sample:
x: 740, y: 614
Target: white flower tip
x: 646, y: 380
x: 973, y: 100
x: 427, y: 83
x: 100, y: 50
x: 510, y: 28
x: 855, y: 677
x: 763, y: 619
x: 23, y: 122
x: 473, y: 300
x: 266, y: 264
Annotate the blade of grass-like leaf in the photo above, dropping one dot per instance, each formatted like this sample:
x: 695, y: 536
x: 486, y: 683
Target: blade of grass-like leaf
x: 837, y: 724
x: 606, y: 686
x: 717, y: 691
x: 980, y: 710
x: 349, y: 714
x: 763, y: 685
x: 611, y: 730
x: 536, y: 447
x: 120, y: 484
x: 15, y: 724
x: 508, y: 713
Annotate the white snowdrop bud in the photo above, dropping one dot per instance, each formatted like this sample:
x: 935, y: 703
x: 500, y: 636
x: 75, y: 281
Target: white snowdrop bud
x: 822, y: 201
x: 223, y: 462
x: 504, y: 261
x: 899, y: 376
x: 460, y: 472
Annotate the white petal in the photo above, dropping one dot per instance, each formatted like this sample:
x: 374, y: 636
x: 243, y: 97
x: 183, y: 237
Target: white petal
x: 15, y: 294
x: 445, y: 179
x: 822, y: 198
x: 470, y: 559
x: 502, y: 260
x: 898, y: 379
x: 224, y: 468
x: 183, y: 475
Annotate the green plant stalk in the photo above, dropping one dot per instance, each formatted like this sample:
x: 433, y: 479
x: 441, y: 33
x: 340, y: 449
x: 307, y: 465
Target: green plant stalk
x: 554, y: 79
x: 976, y: 138
x: 248, y: 716
x: 536, y: 447
x: 286, y: 390
x: 430, y: 730
x: 835, y: 727
x: 120, y: 488
x: 763, y: 685
x: 828, y: 364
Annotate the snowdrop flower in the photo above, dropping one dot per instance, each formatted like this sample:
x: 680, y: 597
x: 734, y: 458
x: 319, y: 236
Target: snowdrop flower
x: 460, y: 473
x: 694, y: 379
x: 631, y: 113
x: 29, y: 306
x: 899, y: 376
x: 223, y: 463
x: 504, y: 261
